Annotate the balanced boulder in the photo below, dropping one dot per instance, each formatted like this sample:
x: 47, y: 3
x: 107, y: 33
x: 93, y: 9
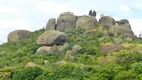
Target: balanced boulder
x: 51, y: 37
x: 66, y: 22
x: 86, y: 22
x: 18, y: 35
x: 51, y: 24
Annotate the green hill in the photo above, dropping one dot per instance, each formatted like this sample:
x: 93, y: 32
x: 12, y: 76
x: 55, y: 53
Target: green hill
x: 90, y: 63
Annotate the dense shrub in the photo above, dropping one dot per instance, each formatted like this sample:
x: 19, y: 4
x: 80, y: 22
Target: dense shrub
x: 63, y: 72
x: 29, y: 73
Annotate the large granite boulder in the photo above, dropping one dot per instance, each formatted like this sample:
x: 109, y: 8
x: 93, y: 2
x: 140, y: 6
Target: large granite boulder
x: 66, y: 14
x: 86, y: 22
x: 107, y: 21
x: 124, y: 30
x: 18, y: 35
x: 51, y: 24
x: 51, y: 37
x: 66, y: 22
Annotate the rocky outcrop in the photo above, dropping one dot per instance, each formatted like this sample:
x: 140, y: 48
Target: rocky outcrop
x: 51, y: 25
x: 18, y: 35
x: 107, y: 21
x: 123, y: 21
x: 124, y: 30
x: 66, y: 21
x: 86, y: 22
x: 52, y: 37
x: 110, y: 48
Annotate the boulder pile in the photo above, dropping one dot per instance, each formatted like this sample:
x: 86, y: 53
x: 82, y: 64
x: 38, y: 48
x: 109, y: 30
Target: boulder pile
x: 55, y: 37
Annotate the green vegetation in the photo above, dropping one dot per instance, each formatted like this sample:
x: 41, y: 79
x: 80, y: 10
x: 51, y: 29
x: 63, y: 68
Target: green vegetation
x: 88, y: 64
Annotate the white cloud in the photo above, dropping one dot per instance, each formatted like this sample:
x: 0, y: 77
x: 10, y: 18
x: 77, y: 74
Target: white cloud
x: 18, y: 24
x: 138, y: 5
x: 136, y: 25
x: 54, y: 7
x: 124, y: 9
x: 9, y: 9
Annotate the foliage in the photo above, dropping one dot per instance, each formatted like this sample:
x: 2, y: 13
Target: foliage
x: 85, y: 65
x: 28, y: 73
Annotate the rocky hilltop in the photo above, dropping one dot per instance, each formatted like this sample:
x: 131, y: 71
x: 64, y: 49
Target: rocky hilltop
x: 73, y: 48
x: 55, y: 33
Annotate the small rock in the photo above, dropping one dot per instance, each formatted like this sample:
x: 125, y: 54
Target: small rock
x: 110, y: 48
x: 76, y: 48
x: 31, y: 64
x: 46, y: 61
x: 43, y: 49
x: 69, y: 54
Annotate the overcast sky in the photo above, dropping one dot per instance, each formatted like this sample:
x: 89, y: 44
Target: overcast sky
x: 34, y: 14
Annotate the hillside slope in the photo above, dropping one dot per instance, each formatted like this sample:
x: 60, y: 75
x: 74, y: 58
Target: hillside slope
x: 90, y: 63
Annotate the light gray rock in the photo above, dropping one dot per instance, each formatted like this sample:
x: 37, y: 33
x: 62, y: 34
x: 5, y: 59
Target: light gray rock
x: 51, y: 24
x: 52, y: 37
x: 76, y: 48
x: 18, y: 35
x: 86, y: 22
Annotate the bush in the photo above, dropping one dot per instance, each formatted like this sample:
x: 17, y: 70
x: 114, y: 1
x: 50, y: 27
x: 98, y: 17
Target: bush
x: 63, y: 72
x: 126, y: 75
x: 28, y: 73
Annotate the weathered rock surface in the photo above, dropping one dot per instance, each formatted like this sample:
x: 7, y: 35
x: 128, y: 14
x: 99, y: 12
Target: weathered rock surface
x: 43, y: 49
x: 124, y: 30
x: 31, y: 64
x: 51, y: 24
x: 107, y: 21
x: 90, y: 31
x: 86, y: 22
x: 66, y: 21
x: 76, y: 48
x: 123, y: 21
x: 69, y: 54
x: 110, y: 48
x: 18, y: 35
x: 52, y: 37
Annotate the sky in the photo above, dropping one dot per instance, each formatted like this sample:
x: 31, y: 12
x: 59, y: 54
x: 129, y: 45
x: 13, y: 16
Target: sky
x: 34, y: 14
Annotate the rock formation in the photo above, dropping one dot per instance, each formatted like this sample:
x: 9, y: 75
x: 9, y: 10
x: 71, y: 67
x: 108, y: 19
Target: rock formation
x: 51, y: 37
x: 86, y: 22
x: 51, y: 25
x: 66, y: 21
x: 106, y: 22
x: 18, y: 35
